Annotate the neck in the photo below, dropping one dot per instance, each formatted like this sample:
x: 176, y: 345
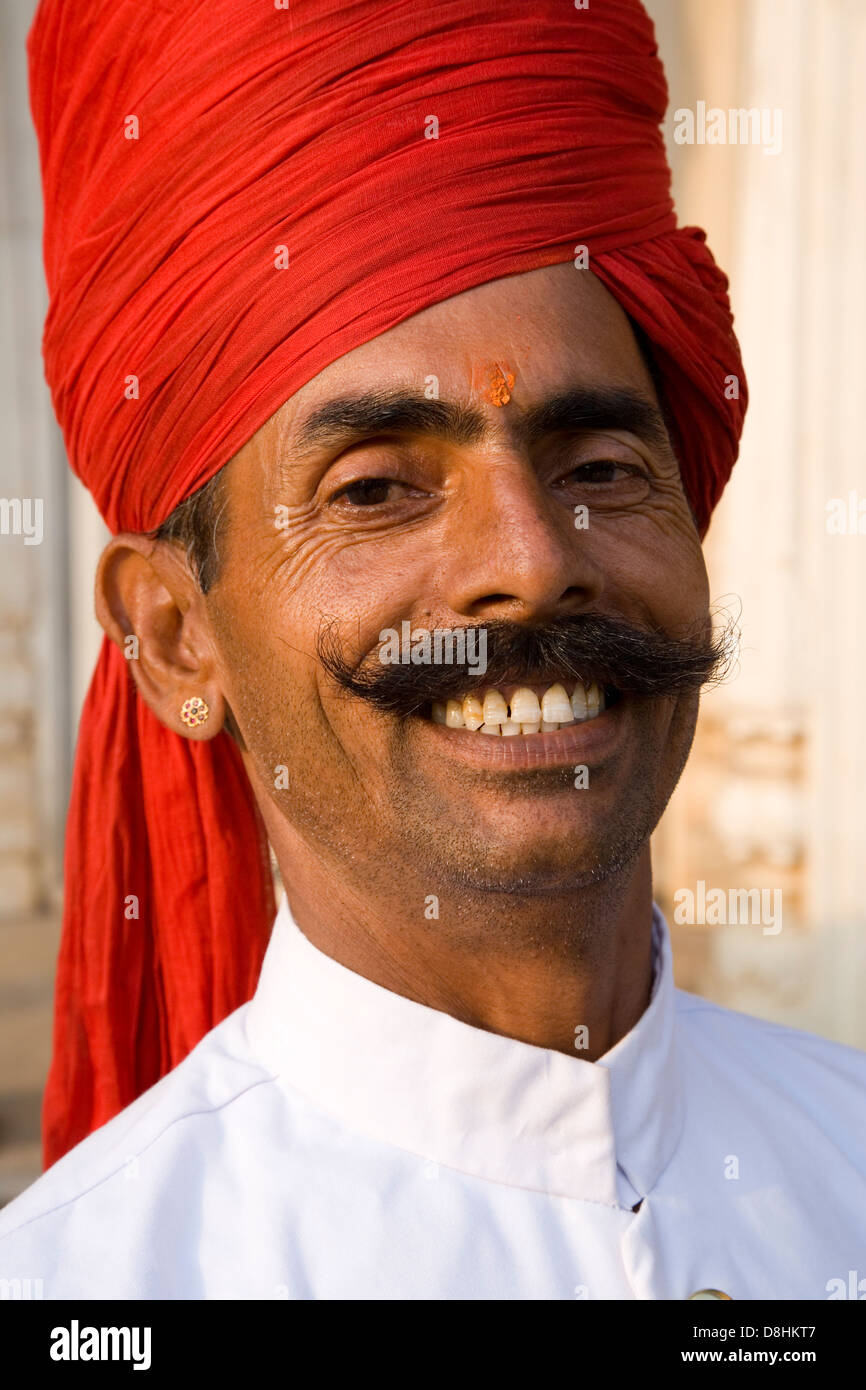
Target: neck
x: 533, y: 967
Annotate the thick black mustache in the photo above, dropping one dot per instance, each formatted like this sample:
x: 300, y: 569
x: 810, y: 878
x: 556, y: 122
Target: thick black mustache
x: 605, y: 650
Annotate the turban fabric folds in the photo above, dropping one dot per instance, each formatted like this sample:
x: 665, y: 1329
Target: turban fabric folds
x: 236, y: 195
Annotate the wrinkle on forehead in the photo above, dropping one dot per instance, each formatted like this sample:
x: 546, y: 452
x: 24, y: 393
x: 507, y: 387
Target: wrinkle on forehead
x: 495, y: 341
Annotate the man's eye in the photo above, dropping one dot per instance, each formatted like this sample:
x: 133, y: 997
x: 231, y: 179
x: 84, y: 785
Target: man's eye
x: 601, y: 471
x: 607, y: 483
x: 369, y: 492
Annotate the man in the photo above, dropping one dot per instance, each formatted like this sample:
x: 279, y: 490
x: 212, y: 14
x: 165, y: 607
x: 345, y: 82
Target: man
x: 489, y: 404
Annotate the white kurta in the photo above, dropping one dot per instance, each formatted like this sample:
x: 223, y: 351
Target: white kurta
x: 334, y: 1140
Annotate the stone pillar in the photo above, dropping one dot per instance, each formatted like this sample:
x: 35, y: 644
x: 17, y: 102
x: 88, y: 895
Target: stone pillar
x: 773, y: 795
x: 34, y: 653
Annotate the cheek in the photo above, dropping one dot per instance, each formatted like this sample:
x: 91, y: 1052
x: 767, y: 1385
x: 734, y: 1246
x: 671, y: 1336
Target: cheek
x: 267, y: 628
x: 364, y: 588
x: 678, y: 578
x: 656, y: 562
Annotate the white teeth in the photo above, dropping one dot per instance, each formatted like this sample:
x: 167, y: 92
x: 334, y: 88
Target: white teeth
x: 495, y: 708
x: 524, y: 706
x: 473, y: 712
x: 525, y: 713
x: 578, y: 702
x: 454, y: 714
x: 556, y: 706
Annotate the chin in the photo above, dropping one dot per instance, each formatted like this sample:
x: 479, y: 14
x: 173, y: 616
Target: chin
x: 551, y: 864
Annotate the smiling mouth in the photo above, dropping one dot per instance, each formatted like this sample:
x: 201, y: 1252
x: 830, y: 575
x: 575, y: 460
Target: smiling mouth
x: 525, y: 709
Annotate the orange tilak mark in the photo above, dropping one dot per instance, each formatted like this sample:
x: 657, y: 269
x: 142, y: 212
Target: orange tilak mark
x: 501, y: 384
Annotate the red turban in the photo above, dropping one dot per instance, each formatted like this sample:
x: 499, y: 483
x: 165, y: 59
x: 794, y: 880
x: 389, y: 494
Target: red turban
x: 183, y: 144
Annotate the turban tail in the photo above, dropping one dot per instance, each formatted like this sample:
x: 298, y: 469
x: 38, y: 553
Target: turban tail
x: 236, y: 195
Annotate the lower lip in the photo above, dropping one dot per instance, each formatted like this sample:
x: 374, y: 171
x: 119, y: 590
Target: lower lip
x: 587, y: 742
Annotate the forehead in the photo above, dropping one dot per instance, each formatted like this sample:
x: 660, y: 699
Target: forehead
x: 551, y: 328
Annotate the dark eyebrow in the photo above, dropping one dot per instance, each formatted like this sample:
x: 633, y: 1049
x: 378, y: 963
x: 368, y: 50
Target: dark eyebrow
x: 399, y: 411
x: 349, y: 419
x: 588, y: 408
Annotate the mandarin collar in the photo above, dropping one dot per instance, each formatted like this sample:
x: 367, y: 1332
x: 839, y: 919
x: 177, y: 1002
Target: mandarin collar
x: 503, y: 1110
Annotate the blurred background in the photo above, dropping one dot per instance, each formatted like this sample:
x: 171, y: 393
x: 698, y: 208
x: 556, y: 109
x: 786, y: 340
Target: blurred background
x: 773, y: 796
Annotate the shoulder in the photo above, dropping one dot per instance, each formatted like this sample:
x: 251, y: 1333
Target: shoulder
x: 701, y: 1016
x: 814, y: 1075
x: 185, y: 1110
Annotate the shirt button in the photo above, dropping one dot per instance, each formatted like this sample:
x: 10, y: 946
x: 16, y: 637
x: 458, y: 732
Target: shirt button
x: 709, y: 1294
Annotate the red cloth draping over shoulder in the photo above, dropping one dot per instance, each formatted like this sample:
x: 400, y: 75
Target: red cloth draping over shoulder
x: 254, y: 128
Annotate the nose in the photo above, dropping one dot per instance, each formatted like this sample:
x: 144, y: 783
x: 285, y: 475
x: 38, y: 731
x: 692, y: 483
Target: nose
x: 515, y: 553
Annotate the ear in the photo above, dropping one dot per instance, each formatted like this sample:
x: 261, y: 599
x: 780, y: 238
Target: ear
x: 148, y: 602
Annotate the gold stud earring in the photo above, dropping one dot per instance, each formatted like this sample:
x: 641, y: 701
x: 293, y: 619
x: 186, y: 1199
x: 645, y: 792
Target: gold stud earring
x: 194, y: 711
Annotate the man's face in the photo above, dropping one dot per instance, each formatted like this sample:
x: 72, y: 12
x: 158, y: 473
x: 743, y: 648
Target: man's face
x: 364, y: 532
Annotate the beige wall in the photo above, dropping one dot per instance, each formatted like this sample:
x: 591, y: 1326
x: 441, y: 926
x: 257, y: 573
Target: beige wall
x: 48, y: 634
x: 774, y: 793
